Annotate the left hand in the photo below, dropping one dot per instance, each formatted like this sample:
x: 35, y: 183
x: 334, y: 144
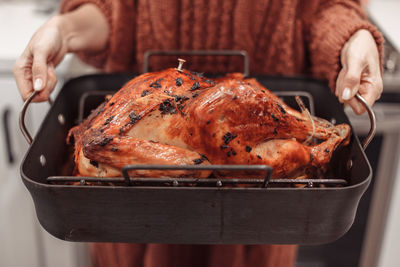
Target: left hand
x: 360, y: 71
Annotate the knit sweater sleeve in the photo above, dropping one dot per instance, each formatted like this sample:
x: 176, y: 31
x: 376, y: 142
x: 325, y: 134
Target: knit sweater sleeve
x: 118, y: 54
x: 332, y: 25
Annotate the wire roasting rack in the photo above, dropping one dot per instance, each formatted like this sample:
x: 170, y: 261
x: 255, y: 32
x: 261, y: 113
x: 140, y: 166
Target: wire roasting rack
x: 86, y: 104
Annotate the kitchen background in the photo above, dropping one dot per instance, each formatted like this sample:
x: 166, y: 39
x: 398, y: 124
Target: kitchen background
x: 371, y: 242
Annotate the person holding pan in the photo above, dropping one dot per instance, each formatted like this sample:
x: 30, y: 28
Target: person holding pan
x: 331, y: 40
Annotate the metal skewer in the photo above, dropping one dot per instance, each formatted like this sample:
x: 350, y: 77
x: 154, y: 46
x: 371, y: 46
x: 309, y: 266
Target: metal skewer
x: 181, y: 61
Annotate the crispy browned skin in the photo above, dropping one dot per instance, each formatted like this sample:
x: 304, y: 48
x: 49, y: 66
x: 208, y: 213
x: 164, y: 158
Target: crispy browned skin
x: 173, y: 117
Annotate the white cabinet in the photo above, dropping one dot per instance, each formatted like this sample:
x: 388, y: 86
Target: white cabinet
x: 18, y: 228
x: 23, y: 242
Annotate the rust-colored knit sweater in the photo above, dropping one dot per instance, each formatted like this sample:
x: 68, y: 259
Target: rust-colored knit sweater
x: 281, y: 37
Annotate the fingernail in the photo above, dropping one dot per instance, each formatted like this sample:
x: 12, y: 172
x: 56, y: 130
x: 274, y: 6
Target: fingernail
x: 38, y: 84
x: 346, y: 94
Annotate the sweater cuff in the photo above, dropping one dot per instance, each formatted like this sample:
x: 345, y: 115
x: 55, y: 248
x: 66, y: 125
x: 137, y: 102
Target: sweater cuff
x: 329, y: 33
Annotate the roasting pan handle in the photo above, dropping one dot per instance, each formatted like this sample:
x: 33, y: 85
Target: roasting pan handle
x: 372, y: 119
x: 241, y: 53
x: 22, y: 125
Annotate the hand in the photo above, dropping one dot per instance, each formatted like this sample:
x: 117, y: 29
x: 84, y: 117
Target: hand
x: 84, y: 29
x: 35, y: 68
x: 360, y: 71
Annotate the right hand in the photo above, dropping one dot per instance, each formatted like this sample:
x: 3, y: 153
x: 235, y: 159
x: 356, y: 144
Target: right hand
x: 85, y: 29
x: 35, y: 68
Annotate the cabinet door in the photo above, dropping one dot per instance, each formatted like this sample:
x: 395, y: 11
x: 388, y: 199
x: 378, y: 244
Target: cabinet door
x: 18, y: 228
x: 23, y: 241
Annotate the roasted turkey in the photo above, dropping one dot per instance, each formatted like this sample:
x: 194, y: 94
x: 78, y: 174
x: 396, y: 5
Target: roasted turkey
x: 179, y: 117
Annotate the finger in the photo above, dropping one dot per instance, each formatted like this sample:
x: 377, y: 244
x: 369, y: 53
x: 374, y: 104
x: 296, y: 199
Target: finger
x: 339, y: 83
x: 356, y: 106
x: 49, y: 87
x: 23, y: 75
x: 52, y: 78
x: 39, y: 70
x: 351, y: 80
x: 369, y: 92
x: 375, y: 82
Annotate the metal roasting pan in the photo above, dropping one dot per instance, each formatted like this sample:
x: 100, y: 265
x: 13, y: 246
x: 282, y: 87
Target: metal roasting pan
x: 188, y: 214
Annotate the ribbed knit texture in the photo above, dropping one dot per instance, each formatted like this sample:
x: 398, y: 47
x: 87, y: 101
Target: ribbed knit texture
x: 332, y: 26
x: 282, y: 37
x: 160, y: 255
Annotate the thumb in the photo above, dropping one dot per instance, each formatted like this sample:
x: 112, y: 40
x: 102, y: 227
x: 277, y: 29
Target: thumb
x: 351, y: 79
x: 353, y: 68
x: 39, y: 72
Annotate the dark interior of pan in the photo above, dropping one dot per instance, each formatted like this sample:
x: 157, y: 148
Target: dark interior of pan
x: 196, y: 215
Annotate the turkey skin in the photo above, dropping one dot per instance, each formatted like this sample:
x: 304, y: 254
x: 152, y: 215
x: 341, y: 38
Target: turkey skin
x: 178, y: 117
